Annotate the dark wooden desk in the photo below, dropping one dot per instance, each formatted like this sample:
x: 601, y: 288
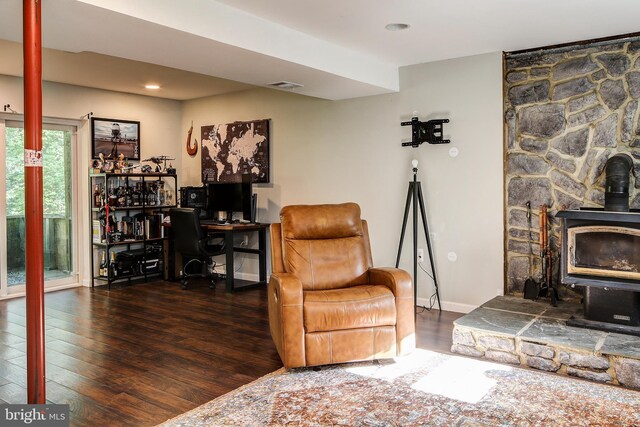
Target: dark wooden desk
x: 229, y: 230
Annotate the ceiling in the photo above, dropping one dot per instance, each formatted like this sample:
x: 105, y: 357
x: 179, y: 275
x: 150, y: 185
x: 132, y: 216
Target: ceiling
x: 337, y: 49
x: 112, y: 73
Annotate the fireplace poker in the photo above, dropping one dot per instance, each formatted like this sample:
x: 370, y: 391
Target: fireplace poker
x: 544, y: 285
x: 553, y: 289
x: 547, y: 288
x: 547, y: 249
x: 559, y: 257
x: 530, y: 285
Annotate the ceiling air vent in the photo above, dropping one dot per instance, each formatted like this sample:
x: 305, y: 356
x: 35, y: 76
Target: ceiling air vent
x: 285, y: 85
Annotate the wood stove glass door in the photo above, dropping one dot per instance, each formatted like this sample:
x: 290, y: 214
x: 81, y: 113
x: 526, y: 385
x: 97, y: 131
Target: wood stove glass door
x: 604, y: 251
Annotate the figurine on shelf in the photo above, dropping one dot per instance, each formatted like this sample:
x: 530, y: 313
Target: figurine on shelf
x: 96, y: 166
x: 105, y: 165
x: 121, y: 163
x: 108, y: 166
x: 99, y: 162
x: 171, y: 170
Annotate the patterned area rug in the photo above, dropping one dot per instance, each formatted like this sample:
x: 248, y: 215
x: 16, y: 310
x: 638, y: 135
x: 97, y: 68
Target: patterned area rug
x: 425, y: 388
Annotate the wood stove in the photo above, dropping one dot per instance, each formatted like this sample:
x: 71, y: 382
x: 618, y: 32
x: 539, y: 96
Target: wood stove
x: 601, y: 254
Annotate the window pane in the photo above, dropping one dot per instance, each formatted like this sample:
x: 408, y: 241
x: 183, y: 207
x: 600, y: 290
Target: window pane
x: 56, y: 156
x: 15, y: 172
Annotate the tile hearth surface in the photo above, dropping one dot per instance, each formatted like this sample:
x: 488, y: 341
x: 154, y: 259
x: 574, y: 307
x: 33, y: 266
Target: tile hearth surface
x: 540, y: 322
x: 513, y: 330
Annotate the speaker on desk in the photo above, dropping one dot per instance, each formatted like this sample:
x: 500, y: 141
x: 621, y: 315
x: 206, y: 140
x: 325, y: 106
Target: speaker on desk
x: 254, y: 207
x: 249, y: 203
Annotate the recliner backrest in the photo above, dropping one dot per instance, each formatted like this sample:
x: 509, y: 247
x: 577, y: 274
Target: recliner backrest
x: 187, y: 233
x: 326, y: 246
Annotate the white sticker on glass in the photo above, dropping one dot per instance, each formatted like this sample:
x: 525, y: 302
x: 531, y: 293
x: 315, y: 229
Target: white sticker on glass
x: 32, y: 158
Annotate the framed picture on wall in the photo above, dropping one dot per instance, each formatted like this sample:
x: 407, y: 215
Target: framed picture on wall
x: 112, y: 137
x: 232, y: 150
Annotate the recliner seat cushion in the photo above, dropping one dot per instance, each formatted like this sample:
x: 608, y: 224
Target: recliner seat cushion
x: 363, y: 306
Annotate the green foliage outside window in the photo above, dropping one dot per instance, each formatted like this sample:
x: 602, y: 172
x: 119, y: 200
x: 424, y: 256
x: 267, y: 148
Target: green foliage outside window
x: 56, y: 163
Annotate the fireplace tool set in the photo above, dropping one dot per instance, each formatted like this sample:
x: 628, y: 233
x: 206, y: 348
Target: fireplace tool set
x: 545, y: 288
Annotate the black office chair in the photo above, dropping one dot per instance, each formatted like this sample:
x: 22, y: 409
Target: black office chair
x: 191, y: 242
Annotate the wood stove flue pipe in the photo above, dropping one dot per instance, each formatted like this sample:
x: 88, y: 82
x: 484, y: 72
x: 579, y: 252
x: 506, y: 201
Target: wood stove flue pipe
x: 618, y: 172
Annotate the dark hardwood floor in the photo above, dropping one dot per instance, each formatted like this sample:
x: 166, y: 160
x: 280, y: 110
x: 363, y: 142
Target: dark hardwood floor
x: 141, y: 354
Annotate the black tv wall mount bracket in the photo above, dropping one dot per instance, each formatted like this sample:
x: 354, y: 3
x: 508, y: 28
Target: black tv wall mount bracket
x: 430, y: 132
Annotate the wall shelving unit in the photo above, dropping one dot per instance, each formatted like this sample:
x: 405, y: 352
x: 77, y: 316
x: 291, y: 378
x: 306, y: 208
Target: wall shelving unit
x: 127, y: 211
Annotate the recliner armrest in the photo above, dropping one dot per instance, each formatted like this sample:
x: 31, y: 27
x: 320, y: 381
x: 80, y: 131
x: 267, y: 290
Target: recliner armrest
x: 287, y: 288
x: 395, y: 279
x: 401, y: 285
x: 286, y: 318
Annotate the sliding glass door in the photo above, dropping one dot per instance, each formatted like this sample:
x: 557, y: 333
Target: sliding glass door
x: 58, y: 192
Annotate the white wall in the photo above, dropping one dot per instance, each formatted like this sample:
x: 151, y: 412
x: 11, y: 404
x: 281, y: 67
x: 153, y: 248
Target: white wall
x: 159, y: 130
x: 337, y: 151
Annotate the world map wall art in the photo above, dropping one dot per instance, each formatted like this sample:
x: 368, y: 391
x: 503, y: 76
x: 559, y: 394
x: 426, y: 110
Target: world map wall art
x: 233, y: 149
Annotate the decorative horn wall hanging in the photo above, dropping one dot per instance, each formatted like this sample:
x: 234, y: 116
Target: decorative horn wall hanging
x: 192, y: 151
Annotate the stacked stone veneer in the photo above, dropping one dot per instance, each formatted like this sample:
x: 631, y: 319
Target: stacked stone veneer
x: 515, y: 350
x: 566, y: 112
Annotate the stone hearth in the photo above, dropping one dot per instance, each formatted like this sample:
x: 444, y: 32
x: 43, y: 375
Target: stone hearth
x: 534, y: 334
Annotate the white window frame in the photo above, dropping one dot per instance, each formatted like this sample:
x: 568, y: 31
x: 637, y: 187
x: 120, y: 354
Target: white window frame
x: 73, y: 280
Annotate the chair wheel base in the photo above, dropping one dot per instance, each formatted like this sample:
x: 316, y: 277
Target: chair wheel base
x: 184, y: 284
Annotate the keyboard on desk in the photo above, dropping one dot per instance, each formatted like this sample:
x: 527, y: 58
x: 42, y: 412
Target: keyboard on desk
x: 218, y: 222
x: 212, y: 222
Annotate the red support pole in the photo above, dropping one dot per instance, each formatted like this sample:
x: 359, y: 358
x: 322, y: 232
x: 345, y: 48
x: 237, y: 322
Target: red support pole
x: 32, y: 41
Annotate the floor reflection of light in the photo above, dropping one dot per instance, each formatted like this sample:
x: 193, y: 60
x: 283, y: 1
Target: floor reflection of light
x: 454, y: 377
x: 461, y: 379
x: 399, y: 366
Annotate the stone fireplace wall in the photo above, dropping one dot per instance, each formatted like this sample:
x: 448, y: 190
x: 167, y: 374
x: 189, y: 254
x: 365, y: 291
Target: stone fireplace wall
x: 566, y: 112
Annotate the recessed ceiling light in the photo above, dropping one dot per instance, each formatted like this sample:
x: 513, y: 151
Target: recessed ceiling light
x: 152, y: 86
x: 396, y: 27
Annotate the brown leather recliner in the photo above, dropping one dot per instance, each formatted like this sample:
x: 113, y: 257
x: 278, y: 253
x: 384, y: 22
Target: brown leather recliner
x: 327, y: 304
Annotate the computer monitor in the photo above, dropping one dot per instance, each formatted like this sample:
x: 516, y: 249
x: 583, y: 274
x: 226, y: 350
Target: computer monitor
x: 231, y: 197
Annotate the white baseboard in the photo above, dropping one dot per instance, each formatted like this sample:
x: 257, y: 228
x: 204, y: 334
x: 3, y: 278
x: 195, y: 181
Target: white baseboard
x: 46, y: 290
x: 252, y: 277
x: 247, y: 276
x: 456, y: 307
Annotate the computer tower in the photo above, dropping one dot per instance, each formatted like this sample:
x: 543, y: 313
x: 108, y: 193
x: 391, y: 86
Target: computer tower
x: 195, y: 198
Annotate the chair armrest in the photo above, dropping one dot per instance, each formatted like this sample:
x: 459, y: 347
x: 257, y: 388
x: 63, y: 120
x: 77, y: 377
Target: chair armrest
x: 287, y: 289
x: 401, y: 285
x: 286, y: 320
x: 395, y: 279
